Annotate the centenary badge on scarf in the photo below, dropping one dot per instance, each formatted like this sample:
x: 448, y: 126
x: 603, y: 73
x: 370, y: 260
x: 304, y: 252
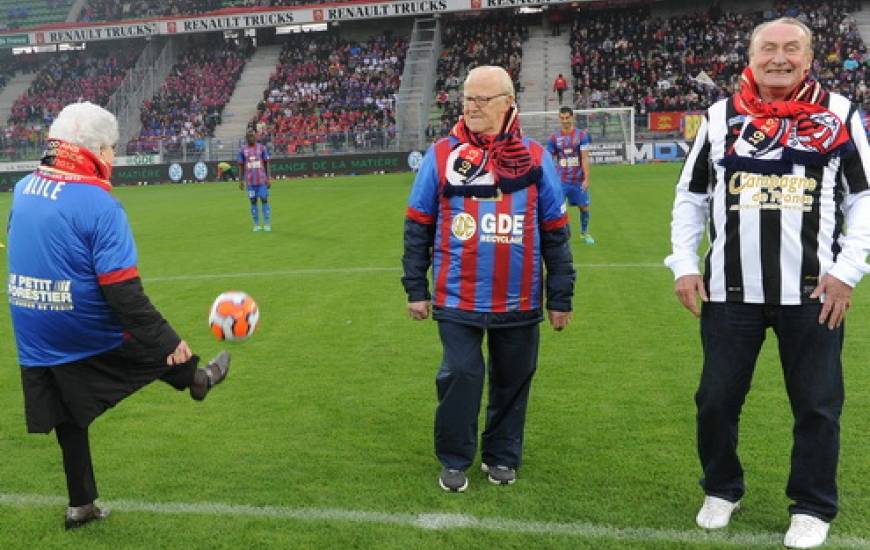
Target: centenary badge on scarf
x: 487, y: 166
x: 776, y: 135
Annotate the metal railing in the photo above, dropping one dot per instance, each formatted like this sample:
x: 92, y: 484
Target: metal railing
x: 414, y: 99
x: 213, y: 149
x: 142, y: 82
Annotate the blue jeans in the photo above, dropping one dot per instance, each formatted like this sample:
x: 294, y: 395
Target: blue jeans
x: 732, y: 334
x: 513, y: 358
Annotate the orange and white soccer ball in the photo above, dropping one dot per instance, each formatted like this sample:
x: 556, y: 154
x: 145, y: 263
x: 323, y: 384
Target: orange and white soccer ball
x: 234, y: 316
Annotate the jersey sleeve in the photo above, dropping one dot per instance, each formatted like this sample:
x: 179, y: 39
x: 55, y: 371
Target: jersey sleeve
x: 241, y: 157
x: 585, y: 141
x: 265, y: 155
x: 423, y: 200
x: 114, y: 250
x: 551, y: 199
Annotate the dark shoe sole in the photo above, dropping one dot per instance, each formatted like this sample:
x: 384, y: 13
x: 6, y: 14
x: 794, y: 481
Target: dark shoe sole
x: 100, y: 514
x: 451, y: 490
x: 203, y: 383
x: 484, y: 467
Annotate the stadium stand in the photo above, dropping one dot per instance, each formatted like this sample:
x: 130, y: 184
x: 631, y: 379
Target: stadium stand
x: 113, y: 10
x: 631, y: 57
x: 72, y: 76
x: 496, y: 39
x: 328, y: 93
x: 62, y: 78
x: 18, y: 15
x: 189, y: 104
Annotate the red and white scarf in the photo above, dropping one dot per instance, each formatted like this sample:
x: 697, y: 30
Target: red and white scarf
x: 63, y: 160
x: 503, y: 155
x: 796, y: 130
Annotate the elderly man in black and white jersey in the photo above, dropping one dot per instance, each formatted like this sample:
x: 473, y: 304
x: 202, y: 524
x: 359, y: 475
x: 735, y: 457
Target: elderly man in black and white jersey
x: 780, y: 172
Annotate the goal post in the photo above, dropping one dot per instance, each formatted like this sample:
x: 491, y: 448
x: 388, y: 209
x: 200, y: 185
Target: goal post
x: 611, y: 131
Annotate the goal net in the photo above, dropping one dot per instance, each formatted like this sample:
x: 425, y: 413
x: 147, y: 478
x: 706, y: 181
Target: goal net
x: 611, y: 131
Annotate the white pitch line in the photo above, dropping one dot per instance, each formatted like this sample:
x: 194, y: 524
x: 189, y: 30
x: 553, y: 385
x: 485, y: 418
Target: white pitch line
x: 343, y: 270
x: 439, y: 521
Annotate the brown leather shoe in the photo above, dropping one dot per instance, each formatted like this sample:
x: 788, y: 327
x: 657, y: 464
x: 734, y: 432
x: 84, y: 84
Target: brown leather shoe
x: 76, y: 516
x: 213, y: 374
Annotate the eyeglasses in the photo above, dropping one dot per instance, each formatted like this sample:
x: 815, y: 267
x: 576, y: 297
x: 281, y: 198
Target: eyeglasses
x: 481, y: 100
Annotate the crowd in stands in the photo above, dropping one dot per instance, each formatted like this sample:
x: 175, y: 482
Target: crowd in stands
x: 190, y: 103
x: 114, y: 10
x: 71, y: 76
x: 60, y: 79
x: 329, y: 92
x: 628, y: 57
x: 25, y: 14
x: 10, y: 65
x: 496, y: 39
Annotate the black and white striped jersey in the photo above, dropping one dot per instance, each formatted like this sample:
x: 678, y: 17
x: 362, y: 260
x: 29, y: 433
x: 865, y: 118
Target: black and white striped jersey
x: 771, y: 236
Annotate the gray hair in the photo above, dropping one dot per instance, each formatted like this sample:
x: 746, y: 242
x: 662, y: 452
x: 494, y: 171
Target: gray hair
x: 507, y: 84
x: 788, y: 21
x: 86, y: 125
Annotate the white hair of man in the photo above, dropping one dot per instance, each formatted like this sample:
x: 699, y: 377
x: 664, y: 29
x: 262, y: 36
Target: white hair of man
x: 504, y: 79
x: 788, y: 21
x: 86, y: 125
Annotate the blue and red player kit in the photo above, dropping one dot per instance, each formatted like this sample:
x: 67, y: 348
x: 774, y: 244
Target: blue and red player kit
x: 567, y: 149
x: 486, y: 253
x: 253, y: 160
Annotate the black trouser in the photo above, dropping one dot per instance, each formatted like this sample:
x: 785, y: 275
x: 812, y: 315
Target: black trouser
x: 75, y: 448
x: 513, y: 356
x: 80, y: 483
x: 732, y: 335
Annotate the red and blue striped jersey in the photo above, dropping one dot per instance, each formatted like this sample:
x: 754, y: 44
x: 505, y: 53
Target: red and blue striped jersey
x: 568, y: 152
x: 254, y: 159
x: 487, y: 252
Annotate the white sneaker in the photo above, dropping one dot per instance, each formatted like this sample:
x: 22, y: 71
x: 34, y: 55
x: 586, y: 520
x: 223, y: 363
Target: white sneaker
x: 716, y: 512
x: 806, y: 532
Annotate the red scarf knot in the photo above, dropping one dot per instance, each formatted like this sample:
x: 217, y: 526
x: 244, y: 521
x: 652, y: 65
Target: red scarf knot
x: 74, y: 162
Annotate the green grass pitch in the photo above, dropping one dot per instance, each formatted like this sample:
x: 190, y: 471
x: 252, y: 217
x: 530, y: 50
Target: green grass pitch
x: 327, y: 413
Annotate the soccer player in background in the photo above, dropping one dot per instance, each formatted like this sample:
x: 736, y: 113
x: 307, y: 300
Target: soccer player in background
x: 570, y: 152
x: 254, y: 171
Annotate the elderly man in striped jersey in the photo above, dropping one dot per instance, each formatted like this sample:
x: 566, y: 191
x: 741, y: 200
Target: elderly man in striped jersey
x: 780, y: 171
x: 485, y: 209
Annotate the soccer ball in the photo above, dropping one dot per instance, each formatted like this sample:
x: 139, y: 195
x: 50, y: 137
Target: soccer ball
x: 234, y: 316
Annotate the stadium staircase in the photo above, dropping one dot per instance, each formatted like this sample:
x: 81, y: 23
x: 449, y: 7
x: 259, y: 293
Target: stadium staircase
x: 242, y: 105
x: 414, y: 100
x: 862, y: 21
x: 75, y: 10
x: 544, y: 57
x: 141, y: 83
x: 14, y: 89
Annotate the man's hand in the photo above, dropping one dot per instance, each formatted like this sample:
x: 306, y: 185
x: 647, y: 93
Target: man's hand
x: 182, y: 354
x: 585, y: 184
x: 838, y: 299
x: 559, y: 319
x: 688, y: 288
x: 419, y: 310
